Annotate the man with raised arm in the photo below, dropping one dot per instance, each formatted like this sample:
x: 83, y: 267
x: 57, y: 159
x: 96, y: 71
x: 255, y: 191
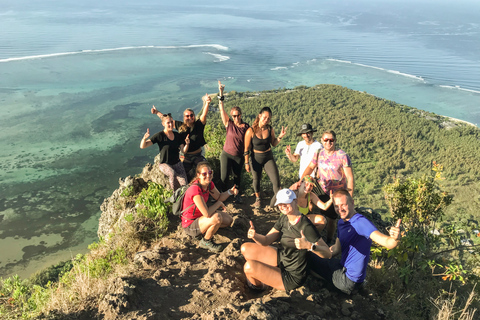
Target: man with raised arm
x: 355, y: 236
x: 305, y: 149
x: 194, y: 129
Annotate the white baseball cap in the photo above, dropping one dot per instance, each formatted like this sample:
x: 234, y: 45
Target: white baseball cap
x: 285, y: 196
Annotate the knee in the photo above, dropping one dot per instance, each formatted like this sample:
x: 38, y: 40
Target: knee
x: 245, y: 248
x: 248, y: 267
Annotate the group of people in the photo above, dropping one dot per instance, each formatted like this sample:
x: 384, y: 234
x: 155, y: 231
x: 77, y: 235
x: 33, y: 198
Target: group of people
x: 325, y: 180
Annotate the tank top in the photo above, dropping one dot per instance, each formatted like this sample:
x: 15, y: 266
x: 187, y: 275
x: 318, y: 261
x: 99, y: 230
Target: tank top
x: 305, y: 210
x: 262, y: 144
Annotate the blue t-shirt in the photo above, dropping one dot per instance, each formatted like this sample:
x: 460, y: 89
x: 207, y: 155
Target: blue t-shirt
x: 355, y: 240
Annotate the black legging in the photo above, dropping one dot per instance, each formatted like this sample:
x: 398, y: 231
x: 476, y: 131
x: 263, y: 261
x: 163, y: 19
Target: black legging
x: 230, y: 164
x: 265, y: 160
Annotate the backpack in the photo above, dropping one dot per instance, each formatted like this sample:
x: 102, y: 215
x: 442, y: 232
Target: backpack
x: 177, y: 200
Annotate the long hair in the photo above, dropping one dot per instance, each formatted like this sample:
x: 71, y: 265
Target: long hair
x: 184, y: 126
x: 238, y: 110
x: 257, y: 119
x: 200, y: 165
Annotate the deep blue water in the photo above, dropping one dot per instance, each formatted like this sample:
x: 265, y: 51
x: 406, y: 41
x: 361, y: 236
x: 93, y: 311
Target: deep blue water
x: 77, y: 80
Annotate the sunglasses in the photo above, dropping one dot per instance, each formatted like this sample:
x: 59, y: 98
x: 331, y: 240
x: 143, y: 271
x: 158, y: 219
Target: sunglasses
x: 189, y: 115
x: 167, y: 115
x: 210, y: 173
x: 331, y: 140
x: 236, y: 115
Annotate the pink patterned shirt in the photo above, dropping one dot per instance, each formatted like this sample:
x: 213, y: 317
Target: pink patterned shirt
x: 330, y: 174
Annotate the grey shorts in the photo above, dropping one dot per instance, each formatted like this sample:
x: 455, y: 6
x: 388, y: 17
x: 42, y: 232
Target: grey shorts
x: 193, y: 229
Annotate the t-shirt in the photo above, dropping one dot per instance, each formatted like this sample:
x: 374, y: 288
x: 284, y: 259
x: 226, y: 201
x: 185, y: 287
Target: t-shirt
x: 235, y: 139
x: 330, y: 169
x: 196, y: 135
x: 354, y: 236
x: 169, y: 149
x: 291, y: 258
x: 306, y: 153
x: 192, y: 212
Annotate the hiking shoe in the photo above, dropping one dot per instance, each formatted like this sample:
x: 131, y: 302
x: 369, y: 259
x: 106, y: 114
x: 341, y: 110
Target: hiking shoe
x: 238, y: 199
x: 257, y: 204
x: 210, y: 245
x: 259, y: 288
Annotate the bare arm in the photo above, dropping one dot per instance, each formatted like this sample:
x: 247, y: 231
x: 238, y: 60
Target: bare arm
x: 223, y: 113
x: 184, y: 147
x: 350, y: 180
x: 321, y: 250
x: 292, y: 157
x: 202, y: 206
x: 319, y: 203
x: 144, y: 142
x: 276, y: 141
x: 248, y: 142
x: 336, y: 249
x: 390, y: 241
x: 262, y: 240
x: 308, y: 170
x: 155, y: 111
x: 206, y: 104
x: 224, y: 195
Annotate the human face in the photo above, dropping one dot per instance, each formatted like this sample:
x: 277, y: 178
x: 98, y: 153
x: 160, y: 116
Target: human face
x: 285, y: 208
x: 237, y: 116
x: 168, y: 123
x: 188, y: 117
x: 264, y: 119
x: 328, y: 142
x: 205, y: 175
x: 308, y: 137
x: 343, y: 207
x: 308, y: 187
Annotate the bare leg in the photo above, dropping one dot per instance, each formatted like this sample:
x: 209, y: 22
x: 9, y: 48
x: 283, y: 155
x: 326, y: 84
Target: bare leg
x: 318, y: 221
x: 261, y: 266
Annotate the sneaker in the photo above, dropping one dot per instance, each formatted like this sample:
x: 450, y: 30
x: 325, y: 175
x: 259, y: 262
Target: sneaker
x: 257, y: 204
x: 238, y: 199
x: 210, y: 245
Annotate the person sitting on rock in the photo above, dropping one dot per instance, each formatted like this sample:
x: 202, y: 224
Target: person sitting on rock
x: 194, y: 129
x: 355, y: 236
x: 197, y: 217
x: 169, y: 143
x: 306, y: 199
x: 284, y: 268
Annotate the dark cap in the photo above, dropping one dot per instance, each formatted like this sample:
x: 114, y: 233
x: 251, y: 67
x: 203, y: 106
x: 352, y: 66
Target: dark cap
x: 306, y: 127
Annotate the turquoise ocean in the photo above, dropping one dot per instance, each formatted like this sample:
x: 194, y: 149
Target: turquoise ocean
x: 78, y: 79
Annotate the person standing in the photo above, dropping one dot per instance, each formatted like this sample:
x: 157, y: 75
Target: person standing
x: 355, y: 236
x: 259, y: 140
x: 334, y: 172
x: 232, y: 159
x: 305, y: 149
x: 194, y: 129
x: 170, y: 144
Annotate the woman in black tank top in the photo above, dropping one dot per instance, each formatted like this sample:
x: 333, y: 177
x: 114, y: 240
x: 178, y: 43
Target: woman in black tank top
x: 258, y: 153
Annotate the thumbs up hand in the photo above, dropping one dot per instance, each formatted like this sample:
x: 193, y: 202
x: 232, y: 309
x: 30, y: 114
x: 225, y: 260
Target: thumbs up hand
x: 251, y: 232
x: 302, y: 243
x: 395, y: 231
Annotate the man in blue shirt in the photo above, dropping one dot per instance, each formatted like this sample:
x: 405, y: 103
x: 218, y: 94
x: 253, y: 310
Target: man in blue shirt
x: 355, y: 236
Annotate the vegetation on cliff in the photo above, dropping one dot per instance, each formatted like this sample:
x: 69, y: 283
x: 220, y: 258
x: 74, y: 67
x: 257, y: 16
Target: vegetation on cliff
x: 393, y: 150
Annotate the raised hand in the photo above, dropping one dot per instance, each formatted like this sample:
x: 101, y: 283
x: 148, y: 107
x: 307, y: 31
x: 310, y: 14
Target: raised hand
x: 206, y: 98
x: 282, y: 132
x: 154, y: 110
x: 395, y: 231
x: 288, y: 150
x: 187, y: 139
x: 234, y: 190
x: 147, y: 134
x: 251, y: 232
x: 220, y: 87
x: 302, y: 243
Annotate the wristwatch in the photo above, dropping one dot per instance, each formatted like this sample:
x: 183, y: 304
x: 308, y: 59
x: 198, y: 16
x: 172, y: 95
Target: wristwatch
x: 314, y: 246
x: 221, y: 98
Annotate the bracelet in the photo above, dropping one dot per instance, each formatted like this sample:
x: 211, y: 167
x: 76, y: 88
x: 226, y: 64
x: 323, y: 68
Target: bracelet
x: 229, y: 192
x: 221, y: 98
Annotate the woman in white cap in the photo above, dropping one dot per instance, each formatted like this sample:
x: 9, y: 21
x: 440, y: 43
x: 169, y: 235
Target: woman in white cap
x: 284, y: 268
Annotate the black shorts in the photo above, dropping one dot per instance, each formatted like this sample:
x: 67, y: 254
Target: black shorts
x: 290, y: 280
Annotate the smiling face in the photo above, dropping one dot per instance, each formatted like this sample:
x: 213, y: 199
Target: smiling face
x: 308, y: 187
x: 343, y: 206
x: 204, y: 174
x: 264, y: 118
x: 285, y: 208
x: 168, y: 123
x: 189, y: 117
x: 328, y: 141
x: 308, y: 137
